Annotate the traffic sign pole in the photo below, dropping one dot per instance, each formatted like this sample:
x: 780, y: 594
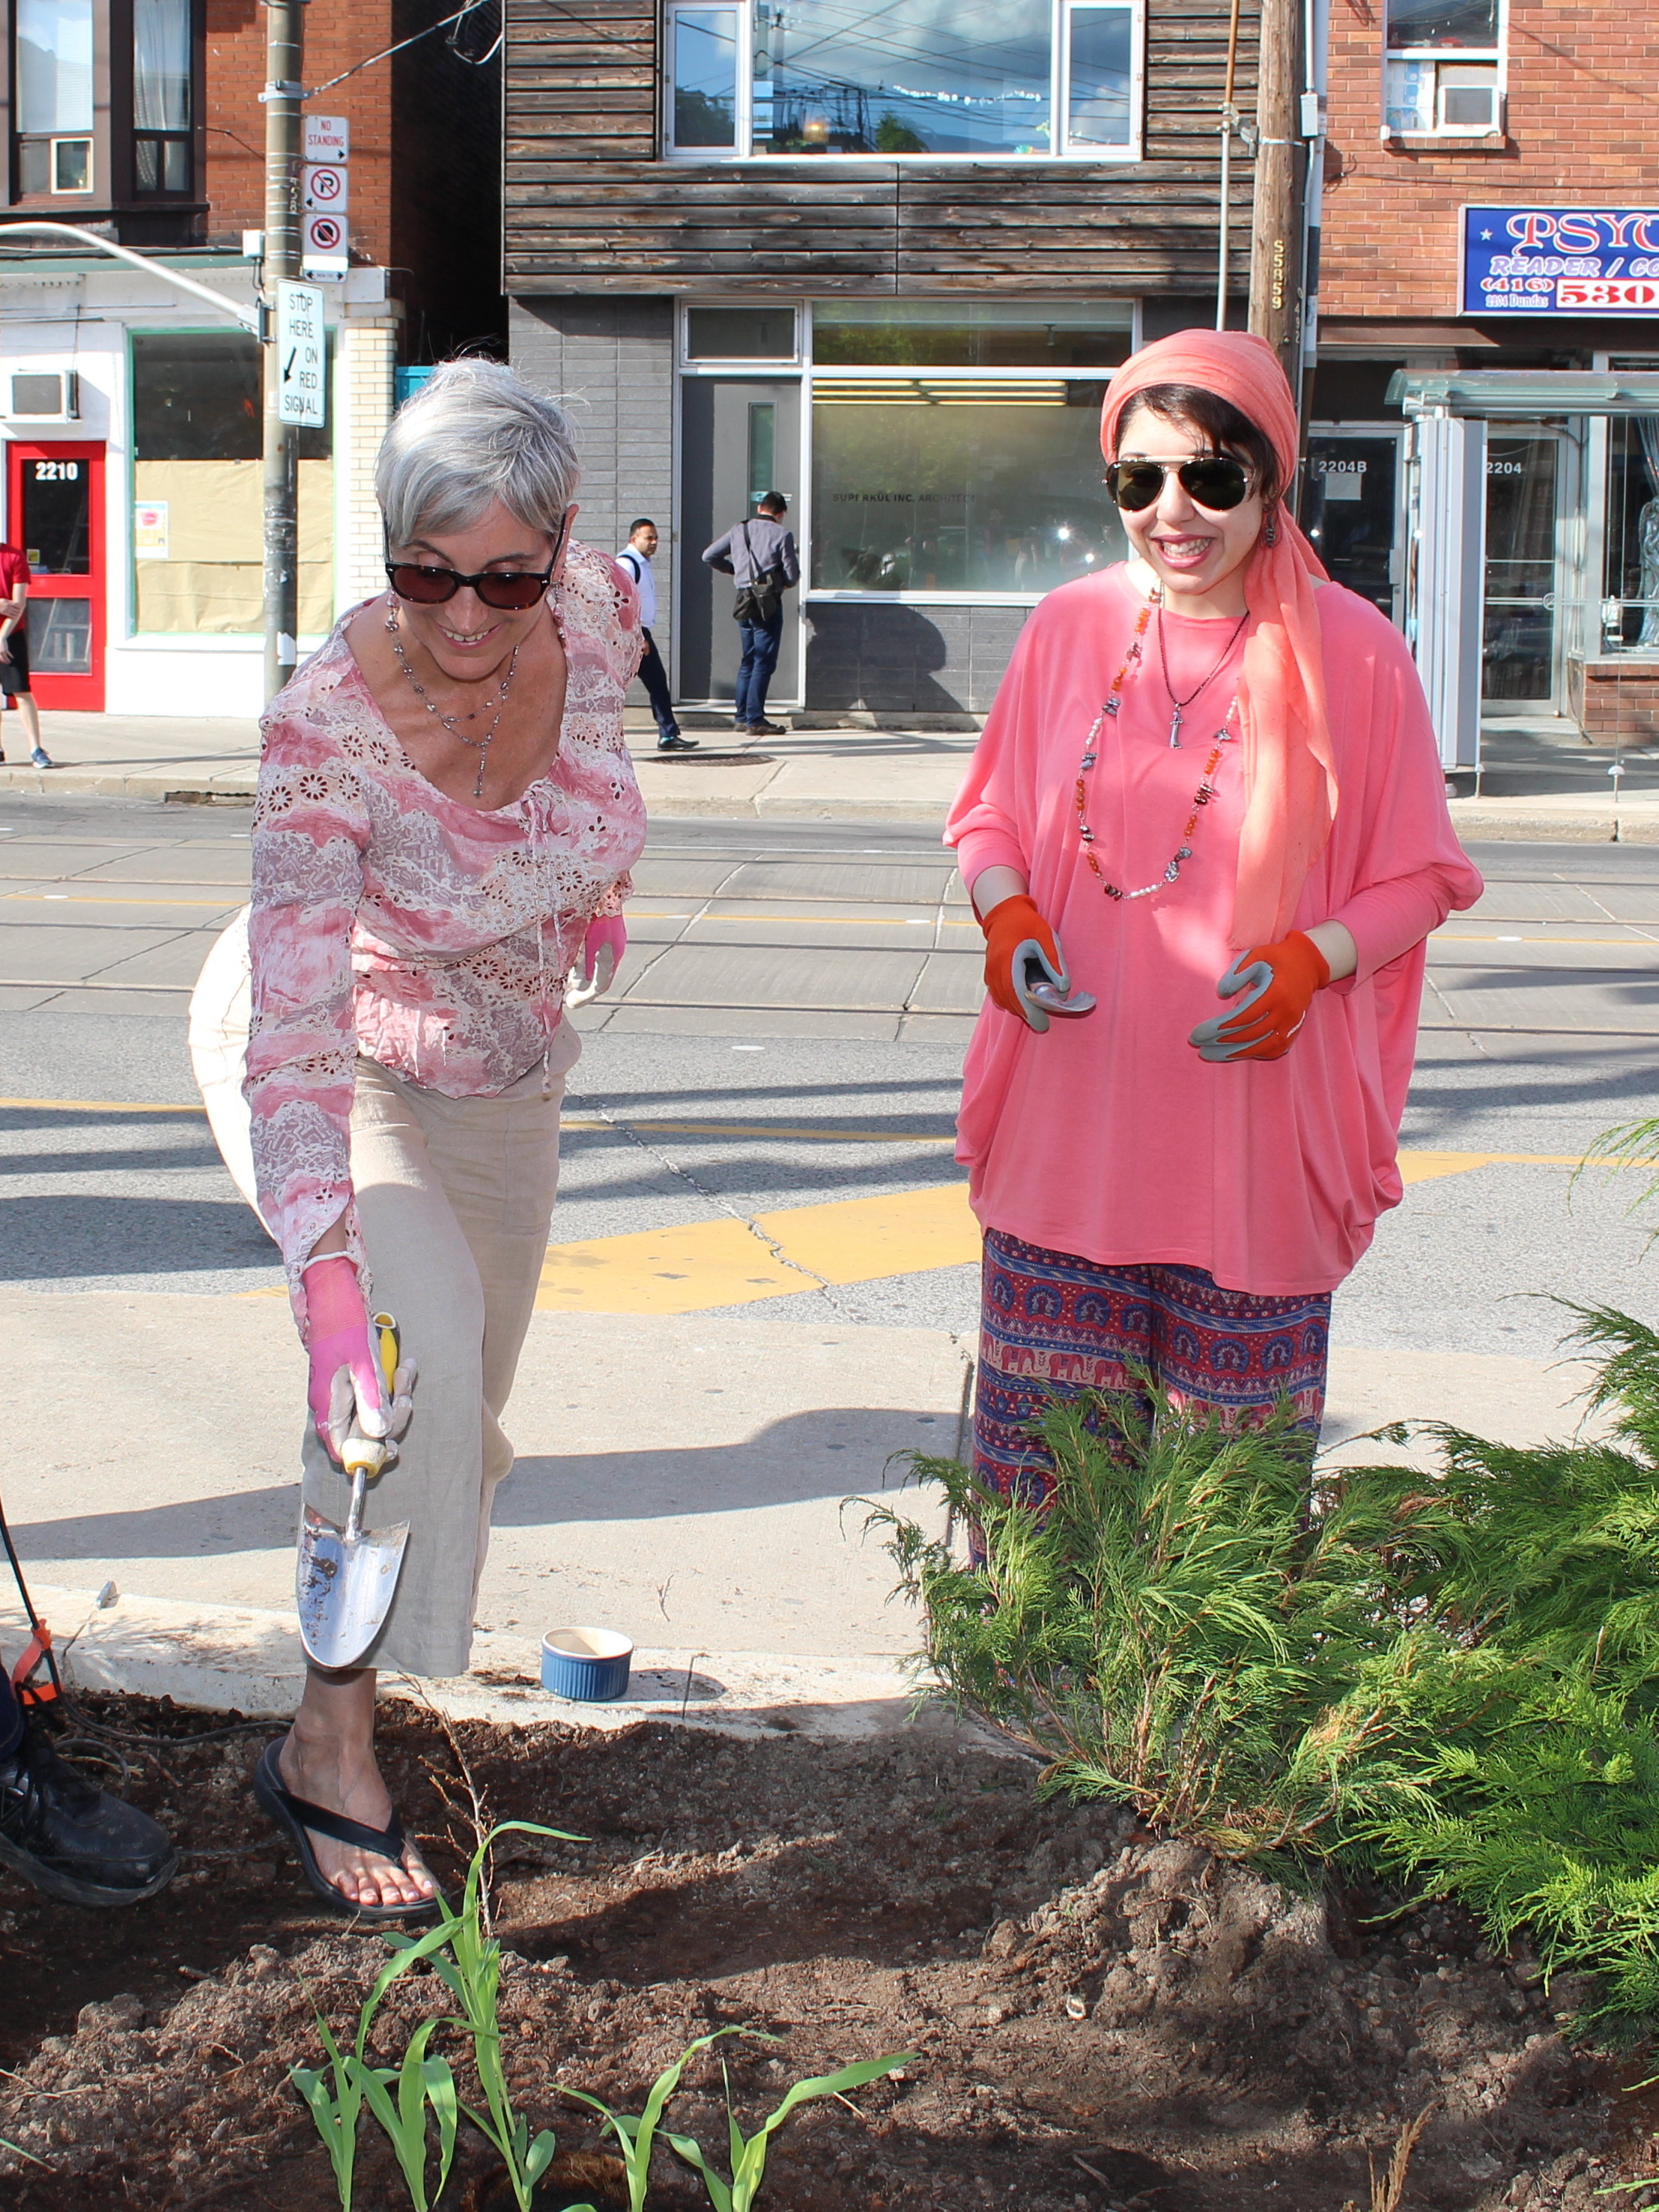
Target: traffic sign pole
x: 281, y: 98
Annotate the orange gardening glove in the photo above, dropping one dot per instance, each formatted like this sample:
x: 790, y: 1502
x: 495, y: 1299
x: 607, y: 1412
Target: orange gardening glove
x: 1280, y: 981
x: 1010, y: 925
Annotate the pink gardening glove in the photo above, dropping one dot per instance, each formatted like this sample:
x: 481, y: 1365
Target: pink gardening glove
x: 340, y: 1345
x: 602, y: 951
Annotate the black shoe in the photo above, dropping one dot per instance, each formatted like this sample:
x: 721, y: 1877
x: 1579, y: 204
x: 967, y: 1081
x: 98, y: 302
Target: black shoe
x: 765, y: 729
x: 676, y: 743
x: 72, y: 1840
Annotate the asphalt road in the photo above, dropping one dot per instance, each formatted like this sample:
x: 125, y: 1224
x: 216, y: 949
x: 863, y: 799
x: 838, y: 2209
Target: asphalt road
x: 795, y: 1004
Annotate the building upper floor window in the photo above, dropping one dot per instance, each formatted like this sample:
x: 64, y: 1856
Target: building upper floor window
x: 72, y: 129
x: 1027, y: 78
x: 160, y: 96
x: 54, y: 95
x: 1444, y: 68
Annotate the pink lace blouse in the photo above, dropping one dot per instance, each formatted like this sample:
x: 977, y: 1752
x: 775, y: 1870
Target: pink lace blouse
x: 390, y: 919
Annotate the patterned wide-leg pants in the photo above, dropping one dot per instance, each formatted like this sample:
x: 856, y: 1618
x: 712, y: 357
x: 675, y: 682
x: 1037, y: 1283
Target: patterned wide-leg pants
x: 1054, y: 1324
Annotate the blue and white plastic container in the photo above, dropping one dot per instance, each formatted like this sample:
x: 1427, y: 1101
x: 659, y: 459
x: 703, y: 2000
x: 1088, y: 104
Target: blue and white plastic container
x: 590, y: 1665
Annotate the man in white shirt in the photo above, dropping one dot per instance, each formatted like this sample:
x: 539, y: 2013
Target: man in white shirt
x: 636, y: 558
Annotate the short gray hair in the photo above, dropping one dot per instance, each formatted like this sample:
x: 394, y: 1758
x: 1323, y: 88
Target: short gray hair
x: 472, y: 435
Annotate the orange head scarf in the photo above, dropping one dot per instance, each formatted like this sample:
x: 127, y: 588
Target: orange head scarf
x: 1290, y: 776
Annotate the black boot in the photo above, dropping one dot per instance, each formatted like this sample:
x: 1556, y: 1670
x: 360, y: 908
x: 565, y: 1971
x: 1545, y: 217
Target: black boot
x: 71, y: 1839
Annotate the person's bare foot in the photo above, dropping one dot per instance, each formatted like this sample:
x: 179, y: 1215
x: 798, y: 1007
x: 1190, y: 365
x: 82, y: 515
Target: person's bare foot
x: 325, y: 1773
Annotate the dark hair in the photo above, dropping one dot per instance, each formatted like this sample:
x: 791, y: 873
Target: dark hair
x: 776, y: 501
x: 1221, y: 423
x: 641, y: 522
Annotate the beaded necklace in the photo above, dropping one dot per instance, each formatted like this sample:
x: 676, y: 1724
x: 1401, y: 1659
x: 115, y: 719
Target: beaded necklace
x: 1201, y: 797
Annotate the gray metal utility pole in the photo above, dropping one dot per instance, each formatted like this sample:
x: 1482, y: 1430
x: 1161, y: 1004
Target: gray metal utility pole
x: 282, y: 95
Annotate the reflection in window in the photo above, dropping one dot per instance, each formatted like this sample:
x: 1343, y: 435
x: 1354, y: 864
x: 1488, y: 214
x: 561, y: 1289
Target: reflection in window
x: 53, y: 95
x: 197, y: 471
x: 1630, y: 616
x: 895, y: 77
x: 160, y: 95
x: 972, y: 333
x: 54, y: 65
x: 705, y: 68
x: 925, y: 486
x: 915, y: 77
x: 1439, y: 23
x: 1100, y: 63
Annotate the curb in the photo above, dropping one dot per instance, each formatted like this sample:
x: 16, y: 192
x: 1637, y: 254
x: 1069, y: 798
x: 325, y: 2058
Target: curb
x: 248, y: 1660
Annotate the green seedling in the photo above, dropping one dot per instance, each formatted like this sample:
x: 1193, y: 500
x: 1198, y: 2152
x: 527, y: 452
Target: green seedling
x: 748, y: 2153
x: 336, y: 2098
x: 636, y: 2133
x: 18, y: 2151
x: 468, y: 1961
x: 420, y: 2081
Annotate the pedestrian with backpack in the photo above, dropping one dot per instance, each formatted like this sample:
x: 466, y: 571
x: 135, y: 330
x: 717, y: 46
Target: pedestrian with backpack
x: 634, y: 561
x: 760, y: 555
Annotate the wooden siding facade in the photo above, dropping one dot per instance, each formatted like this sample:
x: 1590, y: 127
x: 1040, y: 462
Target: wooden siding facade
x: 591, y: 208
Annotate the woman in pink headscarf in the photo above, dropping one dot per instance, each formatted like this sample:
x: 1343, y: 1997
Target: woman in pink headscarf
x: 1206, y: 833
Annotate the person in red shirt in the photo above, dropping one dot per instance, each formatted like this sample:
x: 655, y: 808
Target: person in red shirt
x: 15, y: 649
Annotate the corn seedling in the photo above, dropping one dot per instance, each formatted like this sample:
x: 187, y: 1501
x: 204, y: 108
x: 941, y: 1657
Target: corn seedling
x: 748, y: 2153
x: 468, y: 1963
x: 336, y: 2098
x: 1449, y: 1681
x: 420, y: 2080
x: 636, y: 2133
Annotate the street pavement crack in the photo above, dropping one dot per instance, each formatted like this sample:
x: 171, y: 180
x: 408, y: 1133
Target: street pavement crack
x: 734, y: 1213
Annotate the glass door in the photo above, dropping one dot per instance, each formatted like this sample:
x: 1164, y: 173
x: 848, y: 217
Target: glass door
x: 741, y: 438
x: 56, y: 505
x: 1526, y: 474
x: 1349, y: 510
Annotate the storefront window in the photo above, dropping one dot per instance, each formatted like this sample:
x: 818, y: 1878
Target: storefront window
x: 198, y: 491
x: 971, y: 333
x: 1631, y: 618
x: 923, y: 486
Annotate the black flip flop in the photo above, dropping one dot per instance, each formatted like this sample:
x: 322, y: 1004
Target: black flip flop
x: 294, y: 1815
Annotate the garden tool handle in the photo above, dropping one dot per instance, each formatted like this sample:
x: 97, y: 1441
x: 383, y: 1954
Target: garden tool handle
x: 362, y: 1455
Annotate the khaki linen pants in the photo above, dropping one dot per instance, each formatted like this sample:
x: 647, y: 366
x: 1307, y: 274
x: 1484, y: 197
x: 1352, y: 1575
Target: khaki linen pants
x: 454, y: 1196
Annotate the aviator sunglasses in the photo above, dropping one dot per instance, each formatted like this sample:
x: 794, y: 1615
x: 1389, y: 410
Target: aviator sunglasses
x: 1215, y: 481
x: 508, y: 590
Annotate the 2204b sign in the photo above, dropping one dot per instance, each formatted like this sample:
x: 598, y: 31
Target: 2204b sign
x: 1560, y: 261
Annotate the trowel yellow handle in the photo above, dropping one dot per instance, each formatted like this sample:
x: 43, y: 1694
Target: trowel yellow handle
x: 367, y: 1455
x: 387, y: 1344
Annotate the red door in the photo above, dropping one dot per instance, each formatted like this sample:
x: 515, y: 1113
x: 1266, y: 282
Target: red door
x: 55, y: 503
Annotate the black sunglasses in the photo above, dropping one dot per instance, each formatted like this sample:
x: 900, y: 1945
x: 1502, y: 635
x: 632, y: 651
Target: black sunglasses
x: 1215, y: 481
x: 503, y: 588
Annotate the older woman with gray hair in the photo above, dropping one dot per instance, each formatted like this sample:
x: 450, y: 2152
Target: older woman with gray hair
x: 446, y: 819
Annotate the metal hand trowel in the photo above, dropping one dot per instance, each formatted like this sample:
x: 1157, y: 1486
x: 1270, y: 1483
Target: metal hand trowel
x: 1043, y: 989
x: 344, y: 1578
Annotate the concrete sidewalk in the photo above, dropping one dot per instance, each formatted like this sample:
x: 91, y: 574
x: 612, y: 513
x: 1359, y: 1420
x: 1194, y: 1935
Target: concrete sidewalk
x: 713, y: 1516
x: 1540, y: 781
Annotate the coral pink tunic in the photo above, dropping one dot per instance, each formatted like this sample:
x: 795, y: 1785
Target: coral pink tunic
x: 390, y: 919
x: 1109, y: 1137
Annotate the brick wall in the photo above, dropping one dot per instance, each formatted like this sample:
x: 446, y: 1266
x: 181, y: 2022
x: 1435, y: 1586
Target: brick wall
x: 1582, y: 87
x: 335, y: 38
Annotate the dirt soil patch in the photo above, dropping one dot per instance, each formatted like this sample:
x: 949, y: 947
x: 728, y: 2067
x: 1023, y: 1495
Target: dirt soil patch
x: 1102, y: 2018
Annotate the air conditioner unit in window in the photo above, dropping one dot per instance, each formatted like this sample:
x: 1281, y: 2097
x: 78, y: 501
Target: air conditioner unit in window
x: 45, y: 396
x: 1471, y: 107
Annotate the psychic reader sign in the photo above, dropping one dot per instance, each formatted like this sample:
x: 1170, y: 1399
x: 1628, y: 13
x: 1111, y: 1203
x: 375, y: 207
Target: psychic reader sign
x: 1561, y: 260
